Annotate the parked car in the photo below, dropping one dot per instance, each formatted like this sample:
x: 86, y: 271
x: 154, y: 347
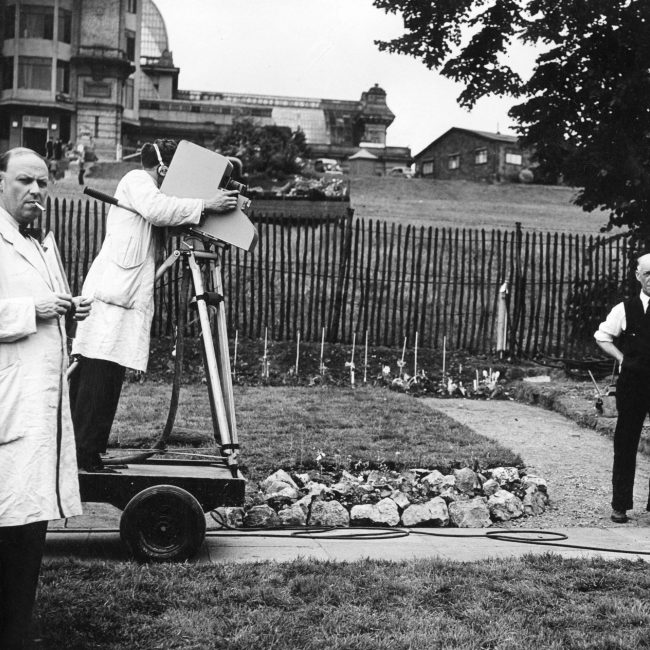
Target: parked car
x: 403, y: 172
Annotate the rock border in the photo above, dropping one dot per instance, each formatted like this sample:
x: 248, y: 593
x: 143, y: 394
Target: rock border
x: 381, y: 497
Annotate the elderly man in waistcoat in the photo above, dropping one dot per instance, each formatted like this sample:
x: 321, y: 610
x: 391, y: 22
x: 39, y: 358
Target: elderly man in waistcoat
x: 625, y: 336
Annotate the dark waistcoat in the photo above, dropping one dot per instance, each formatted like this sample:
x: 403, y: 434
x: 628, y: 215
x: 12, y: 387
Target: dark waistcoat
x: 635, y: 340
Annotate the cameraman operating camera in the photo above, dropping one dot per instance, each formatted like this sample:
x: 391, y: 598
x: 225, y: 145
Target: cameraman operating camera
x: 121, y: 282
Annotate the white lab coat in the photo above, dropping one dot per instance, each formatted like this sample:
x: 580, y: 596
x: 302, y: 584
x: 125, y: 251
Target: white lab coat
x: 121, y: 279
x: 38, y: 467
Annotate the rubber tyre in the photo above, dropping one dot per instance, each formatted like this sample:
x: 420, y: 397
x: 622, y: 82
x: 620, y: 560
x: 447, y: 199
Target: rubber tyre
x: 163, y: 523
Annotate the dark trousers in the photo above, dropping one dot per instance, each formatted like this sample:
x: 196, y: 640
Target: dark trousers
x: 633, y: 405
x: 21, y: 551
x: 95, y: 388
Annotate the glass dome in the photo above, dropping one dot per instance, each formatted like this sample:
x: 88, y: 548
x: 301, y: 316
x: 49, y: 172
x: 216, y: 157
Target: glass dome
x: 154, y: 39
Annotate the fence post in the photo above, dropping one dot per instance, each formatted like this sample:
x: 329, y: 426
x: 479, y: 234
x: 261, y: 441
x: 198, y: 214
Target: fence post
x: 344, y: 263
x: 518, y: 284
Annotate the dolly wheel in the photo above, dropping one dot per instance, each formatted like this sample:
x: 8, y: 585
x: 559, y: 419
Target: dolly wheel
x: 163, y: 523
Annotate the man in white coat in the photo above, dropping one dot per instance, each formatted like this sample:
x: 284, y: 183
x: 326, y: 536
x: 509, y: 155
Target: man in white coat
x: 121, y: 284
x: 38, y: 473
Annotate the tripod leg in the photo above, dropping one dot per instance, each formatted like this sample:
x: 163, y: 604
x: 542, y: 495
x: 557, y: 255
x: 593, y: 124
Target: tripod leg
x: 218, y: 408
x: 178, y: 363
x: 223, y: 358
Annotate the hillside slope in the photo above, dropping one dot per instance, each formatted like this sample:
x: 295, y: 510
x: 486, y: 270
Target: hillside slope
x: 470, y: 204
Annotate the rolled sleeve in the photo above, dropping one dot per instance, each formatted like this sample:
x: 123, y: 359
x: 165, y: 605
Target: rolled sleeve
x: 612, y: 327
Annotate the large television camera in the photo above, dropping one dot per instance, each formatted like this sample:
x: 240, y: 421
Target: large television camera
x: 196, y: 173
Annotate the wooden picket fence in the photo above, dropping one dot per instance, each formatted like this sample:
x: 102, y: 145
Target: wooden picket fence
x: 348, y: 276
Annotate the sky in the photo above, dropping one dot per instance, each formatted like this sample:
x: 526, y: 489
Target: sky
x: 318, y: 49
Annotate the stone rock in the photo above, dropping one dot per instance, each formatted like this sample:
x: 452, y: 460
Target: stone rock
x: 303, y: 478
x: 530, y: 480
x: 261, y: 517
x: 466, y: 480
x: 504, y: 475
x: 400, y: 499
x: 534, y: 501
x: 344, y: 487
x: 448, y: 481
x: 450, y: 494
x: 505, y: 506
x: 316, y: 489
x: 328, y: 513
x: 432, y: 513
x: 490, y: 487
x: 433, y: 481
x: 382, y: 513
x: 231, y: 517
x: 473, y: 513
x: 277, y: 477
x: 347, y: 476
x: 375, y: 477
x: 278, y: 500
x: 293, y: 515
x: 305, y: 502
x: 286, y: 492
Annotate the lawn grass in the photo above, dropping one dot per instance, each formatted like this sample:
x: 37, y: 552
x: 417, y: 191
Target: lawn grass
x: 537, y: 602
x: 289, y: 427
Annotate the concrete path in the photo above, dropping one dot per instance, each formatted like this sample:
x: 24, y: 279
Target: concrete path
x: 451, y: 544
x: 576, y: 463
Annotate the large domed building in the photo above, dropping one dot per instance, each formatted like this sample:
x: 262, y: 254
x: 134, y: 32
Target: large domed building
x: 101, y: 73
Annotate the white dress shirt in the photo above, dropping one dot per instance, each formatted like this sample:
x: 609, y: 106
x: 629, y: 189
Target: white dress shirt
x: 615, y: 323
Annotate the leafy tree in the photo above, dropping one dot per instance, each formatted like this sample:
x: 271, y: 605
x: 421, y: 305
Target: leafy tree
x: 585, y: 108
x: 263, y: 149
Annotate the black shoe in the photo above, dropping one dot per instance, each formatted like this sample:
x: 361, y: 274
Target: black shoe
x: 619, y: 516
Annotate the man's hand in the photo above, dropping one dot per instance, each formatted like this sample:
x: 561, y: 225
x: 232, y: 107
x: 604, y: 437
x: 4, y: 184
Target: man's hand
x: 82, y: 307
x: 55, y: 305
x: 223, y: 201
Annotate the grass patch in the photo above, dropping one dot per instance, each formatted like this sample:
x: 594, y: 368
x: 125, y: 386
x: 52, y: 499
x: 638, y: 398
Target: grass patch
x: 536, y: 602
x: 290, y: 427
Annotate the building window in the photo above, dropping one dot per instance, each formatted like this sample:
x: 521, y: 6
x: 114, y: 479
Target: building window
x: 480, y: 157
x: 132, y: 6
x: 454, y: 161
x: 128, y: 93
x: 65, y: 26
x: 62, y: 77
x: 513, y: 158
x: 7, y: 73
x: 35, y: 72
x: 10, y: 21
x: 37, y: 22
x: 427, y: 168
x: 130, y: 45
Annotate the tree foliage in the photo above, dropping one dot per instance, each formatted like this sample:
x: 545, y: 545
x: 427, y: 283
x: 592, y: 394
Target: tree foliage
x: 263, y: 149
x: 585, y: 109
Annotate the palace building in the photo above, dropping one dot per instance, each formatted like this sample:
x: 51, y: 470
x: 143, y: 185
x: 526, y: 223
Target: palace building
x: 100, y: 73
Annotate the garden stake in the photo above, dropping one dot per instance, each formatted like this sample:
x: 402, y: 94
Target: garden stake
x: 322, y: 348
x: 297, y: 353
x: 234, y: 359
x: 415, y: 358
x: 350, y: 363
x: 265, y: 361
x: 401, y: 362
x: 444, y: 354
x: 365, y: 361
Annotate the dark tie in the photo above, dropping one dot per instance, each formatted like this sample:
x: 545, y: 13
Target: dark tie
x: 28, y: 231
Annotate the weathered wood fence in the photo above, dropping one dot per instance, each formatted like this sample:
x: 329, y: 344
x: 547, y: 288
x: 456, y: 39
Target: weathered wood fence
x: 391, y: 280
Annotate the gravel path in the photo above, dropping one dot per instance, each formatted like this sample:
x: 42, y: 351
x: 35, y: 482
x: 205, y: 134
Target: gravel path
x: 576, y: 462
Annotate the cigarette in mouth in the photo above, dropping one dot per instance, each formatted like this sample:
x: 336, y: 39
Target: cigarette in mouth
x: 39, y: 206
